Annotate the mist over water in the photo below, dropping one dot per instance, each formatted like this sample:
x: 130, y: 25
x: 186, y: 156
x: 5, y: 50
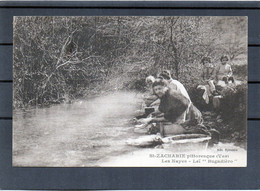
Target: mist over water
x: 77, y: 134
x: 90, y: 132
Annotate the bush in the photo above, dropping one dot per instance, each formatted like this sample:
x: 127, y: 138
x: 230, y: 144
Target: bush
x: 233, y: 111
x: 230, y: 119
x: 240, y: 71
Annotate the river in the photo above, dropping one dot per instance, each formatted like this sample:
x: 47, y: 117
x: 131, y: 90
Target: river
x: 85, y: 133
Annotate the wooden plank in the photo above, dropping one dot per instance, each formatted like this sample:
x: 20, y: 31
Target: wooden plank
x: 6, y: 15
x: 6, y: 100
x: 119, y: 178
x: 253, y: 101
x: 6, y: 64
x: 254, y: 66
x: 137, y: 4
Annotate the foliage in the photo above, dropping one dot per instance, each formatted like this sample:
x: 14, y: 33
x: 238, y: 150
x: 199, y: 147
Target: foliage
x: 232, y: 108
x: 240, y: 72
x: 63, y: 58
x: 230, y: 118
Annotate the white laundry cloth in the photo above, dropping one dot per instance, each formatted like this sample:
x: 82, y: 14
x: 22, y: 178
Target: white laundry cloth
x: 206, y: 92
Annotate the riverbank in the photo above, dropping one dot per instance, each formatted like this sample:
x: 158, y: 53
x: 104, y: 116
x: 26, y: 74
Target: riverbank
x: 84, y: 133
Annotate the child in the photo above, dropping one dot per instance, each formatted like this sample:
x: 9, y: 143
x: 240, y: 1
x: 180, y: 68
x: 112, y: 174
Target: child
x: 223, y: 71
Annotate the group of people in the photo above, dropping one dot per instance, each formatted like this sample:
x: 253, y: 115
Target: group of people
x: 173, y: 111
x: 218, y: 76
x: 222, y: 71
x: 169, y: 109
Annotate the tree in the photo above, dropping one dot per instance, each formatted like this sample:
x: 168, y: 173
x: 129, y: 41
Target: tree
x: 57, y: 58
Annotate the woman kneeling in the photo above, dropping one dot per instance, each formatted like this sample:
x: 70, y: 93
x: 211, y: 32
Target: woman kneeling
x: 179, y: 115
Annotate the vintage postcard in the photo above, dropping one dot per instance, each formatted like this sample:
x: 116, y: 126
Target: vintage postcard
x: 130, y: 91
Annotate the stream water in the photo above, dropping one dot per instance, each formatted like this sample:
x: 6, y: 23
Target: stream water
x: 85, y: 133
x: 77, y: 134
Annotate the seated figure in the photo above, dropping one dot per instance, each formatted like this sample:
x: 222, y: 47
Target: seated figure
x: 179, y: 115
x: 174, y: 84
x: 208, y: 85
x: 151, y: 101
x: 223, y: 71
x: 208, y: 68
x: 218, y: 79
x: 149, y: 98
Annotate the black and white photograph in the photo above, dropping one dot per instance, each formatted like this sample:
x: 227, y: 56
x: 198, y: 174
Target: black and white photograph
x: 130, y: 91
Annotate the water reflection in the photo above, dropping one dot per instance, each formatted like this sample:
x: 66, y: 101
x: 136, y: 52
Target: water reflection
x: 77, y: 134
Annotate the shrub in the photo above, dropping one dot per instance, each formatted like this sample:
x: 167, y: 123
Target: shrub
x: 230, y: 119
x: 240, y: 71
x: 233, y: 111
